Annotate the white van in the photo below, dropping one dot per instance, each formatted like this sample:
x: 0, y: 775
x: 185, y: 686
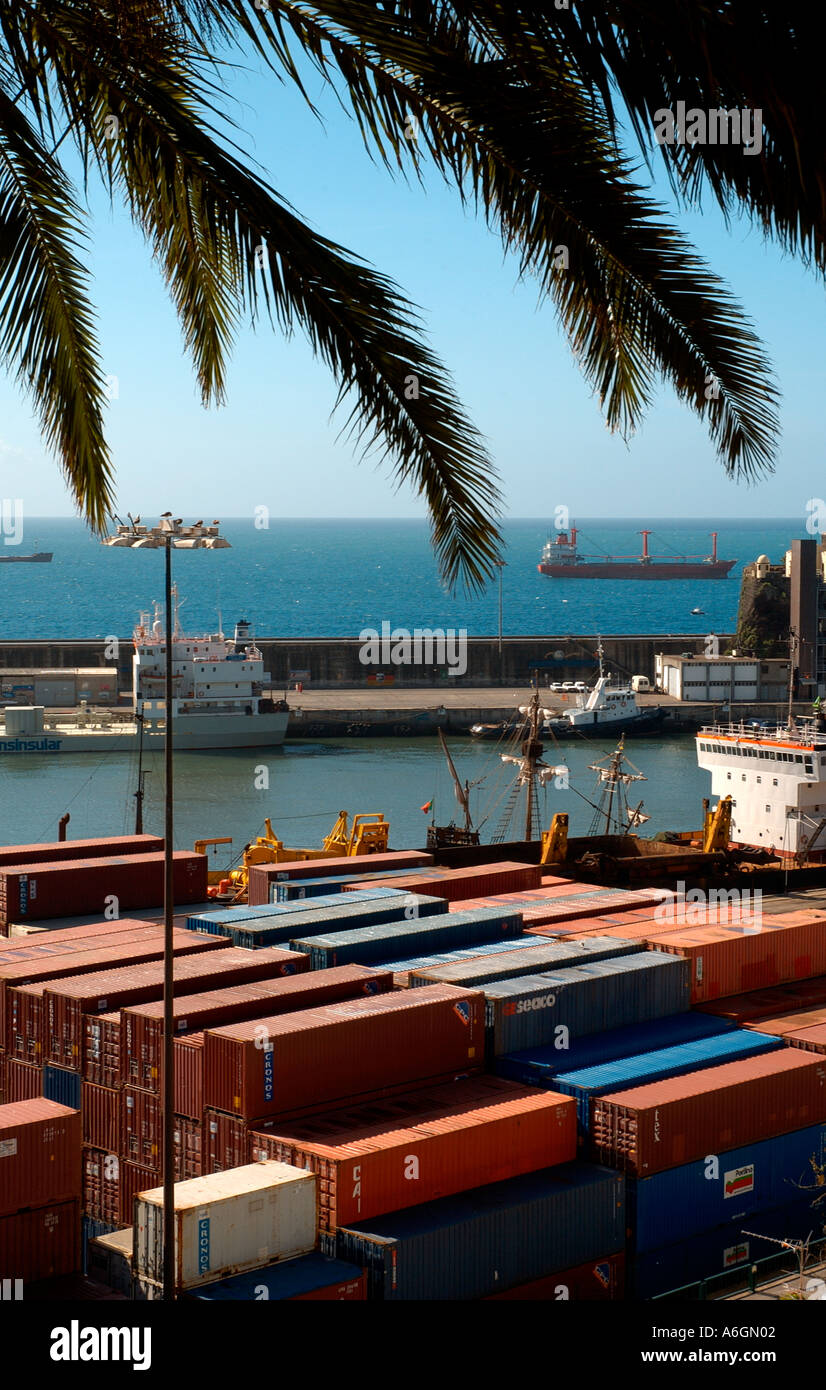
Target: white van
x: 640, y: 684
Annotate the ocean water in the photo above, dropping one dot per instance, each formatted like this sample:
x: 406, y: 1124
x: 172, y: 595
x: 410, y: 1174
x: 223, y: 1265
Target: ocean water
x: 328, y: 578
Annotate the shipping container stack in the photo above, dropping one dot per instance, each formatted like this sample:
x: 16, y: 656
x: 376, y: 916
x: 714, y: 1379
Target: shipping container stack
x: 40, y: 1191
x: 495, y: 1083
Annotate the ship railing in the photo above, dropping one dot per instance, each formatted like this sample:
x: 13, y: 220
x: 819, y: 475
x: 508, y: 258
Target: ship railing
x: 806, y: 730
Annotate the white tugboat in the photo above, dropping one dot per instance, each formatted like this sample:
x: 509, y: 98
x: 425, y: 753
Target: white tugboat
x: 220, y: 699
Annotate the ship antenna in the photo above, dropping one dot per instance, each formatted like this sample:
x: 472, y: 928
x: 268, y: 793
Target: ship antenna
x: 600, y: 654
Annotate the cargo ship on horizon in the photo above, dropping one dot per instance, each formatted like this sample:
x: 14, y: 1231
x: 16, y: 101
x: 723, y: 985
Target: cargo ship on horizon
x: 562, y: 560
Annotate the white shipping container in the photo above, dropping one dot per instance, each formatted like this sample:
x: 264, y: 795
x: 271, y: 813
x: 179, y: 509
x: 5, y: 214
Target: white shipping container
x: 228, y: 1222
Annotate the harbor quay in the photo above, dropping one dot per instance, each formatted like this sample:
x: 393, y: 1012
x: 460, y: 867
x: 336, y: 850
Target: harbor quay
x: 338, y: 663
x: 331, y: 693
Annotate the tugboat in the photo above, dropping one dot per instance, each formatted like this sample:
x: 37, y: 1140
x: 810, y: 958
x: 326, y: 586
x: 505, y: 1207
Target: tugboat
x: 609, y: 706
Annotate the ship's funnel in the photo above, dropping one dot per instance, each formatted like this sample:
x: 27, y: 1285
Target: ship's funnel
x: 243, y: 632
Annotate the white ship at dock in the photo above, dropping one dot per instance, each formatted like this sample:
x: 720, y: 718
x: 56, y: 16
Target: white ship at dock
x: 220, y: 700
x: 776, y: 778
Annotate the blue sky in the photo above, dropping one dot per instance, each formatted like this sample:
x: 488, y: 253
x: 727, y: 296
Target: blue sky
x: 274, y: 442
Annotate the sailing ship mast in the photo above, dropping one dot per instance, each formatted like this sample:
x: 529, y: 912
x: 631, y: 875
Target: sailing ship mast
x: 614, y: 781
x: 462, y: 792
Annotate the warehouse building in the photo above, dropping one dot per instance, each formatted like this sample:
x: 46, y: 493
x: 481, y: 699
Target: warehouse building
x: 722, y: 679
x: 59, y: 687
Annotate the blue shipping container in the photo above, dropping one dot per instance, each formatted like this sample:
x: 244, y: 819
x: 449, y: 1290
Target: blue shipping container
x: 722, y: 1188
x: 533, y: 1010
x: 537, y: 1065
x: 720, y: 1252
x: 90, y: 1229
x: 271, y: 931
x: 482, y: 948
x: 372, y: 945
x: 646, y: 1067
x: 532, y: 960
x: 491, y: 1238
x: 289, y: 1279
x: 230, y: 916
x: 62, y: 1086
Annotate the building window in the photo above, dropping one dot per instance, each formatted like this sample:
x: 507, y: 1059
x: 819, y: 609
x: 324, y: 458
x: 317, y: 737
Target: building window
x: 760, y: 779
x: 774, y: 781
x: 768, y: 808
x: 728, y: 775
x: 742, y: 776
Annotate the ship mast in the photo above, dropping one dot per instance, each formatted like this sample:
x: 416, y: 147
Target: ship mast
x: 532, y: 751
x: 792, y: 653
x: 462, y: 792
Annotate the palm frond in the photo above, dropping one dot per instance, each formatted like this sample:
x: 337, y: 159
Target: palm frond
x: 47, y: 331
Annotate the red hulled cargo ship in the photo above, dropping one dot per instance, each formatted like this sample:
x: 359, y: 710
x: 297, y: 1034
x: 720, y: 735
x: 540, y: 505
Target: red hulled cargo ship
x: 562, y: 560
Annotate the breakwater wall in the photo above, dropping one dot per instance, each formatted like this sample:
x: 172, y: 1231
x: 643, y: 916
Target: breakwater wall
x: 334, y: 663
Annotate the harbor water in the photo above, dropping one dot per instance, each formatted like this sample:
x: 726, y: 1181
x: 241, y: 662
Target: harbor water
x: 303, y: 786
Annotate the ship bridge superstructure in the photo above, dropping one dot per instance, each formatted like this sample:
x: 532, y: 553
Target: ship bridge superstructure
x: 775, y: 775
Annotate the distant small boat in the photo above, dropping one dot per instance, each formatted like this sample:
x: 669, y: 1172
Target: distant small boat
x: 699, y: 612
x: 41, y: 558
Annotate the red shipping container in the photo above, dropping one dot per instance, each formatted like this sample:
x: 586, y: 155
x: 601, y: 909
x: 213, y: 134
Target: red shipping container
x: 56, y: 850
x: 30, y: 1015
x: 734, y: 959
x: 121, y: 942
x: 141, y: 1132
x: 41, y: 1244
x: 367, y: 1168
x: 76, y: 886
x: 226, y: 1141
x: 812, y: 1039
x: 67, y: 1002
x: 189, y: 1075
x: 23, y: 1081
x: 101, y: 1049
x: 100, y: 1107
x: 784, y: 1025
x: 348, y: 1049
x: 350, y: 1291
x: 262, y: 875
x: 767, y: 1003
x: 39, y: 1154
x: 101, y: 1185
x: 133, y: 1180
x: 462, y: 883
x: 188, y: 1155
x: 668, y: 1123
x: 598, y: 1281
x: 142, y: 1025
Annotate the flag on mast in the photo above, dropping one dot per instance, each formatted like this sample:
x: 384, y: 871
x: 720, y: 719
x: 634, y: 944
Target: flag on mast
x: 427, y: 806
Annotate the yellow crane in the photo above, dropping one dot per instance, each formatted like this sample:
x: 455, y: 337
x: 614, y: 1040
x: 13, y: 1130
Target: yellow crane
x: 369, y: 834
x: 717, y: 826
x: 555, y: 840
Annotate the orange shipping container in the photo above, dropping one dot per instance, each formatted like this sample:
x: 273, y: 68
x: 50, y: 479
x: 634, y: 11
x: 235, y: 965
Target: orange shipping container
x: 730, y: 960
x: 665, y: 1124
x: 769, y: 1003
x: 809, y: 1039
x: 367, y: 1170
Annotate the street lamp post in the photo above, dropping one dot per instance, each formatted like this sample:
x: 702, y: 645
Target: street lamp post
x: 169, y: 534
x: 500, y: 564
